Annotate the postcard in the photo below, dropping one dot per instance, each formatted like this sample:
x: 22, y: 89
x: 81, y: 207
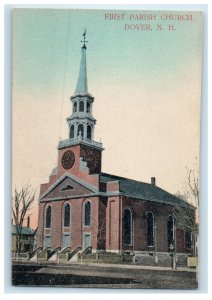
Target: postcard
x: 105, y: 148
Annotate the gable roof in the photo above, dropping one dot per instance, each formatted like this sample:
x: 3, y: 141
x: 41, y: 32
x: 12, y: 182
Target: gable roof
x: 60, y: 186
x: 128, y: 187
x: 144, y: 191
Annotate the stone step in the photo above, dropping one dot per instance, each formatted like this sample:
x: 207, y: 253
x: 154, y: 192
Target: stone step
x: 34, y: 258
x: 53, y: 257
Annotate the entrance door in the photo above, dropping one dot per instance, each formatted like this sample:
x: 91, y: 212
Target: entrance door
x: 86, y: 240
x: 47, y: 241
x: 66, y: 240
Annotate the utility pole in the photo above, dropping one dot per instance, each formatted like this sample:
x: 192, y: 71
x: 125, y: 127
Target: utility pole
x: 175, y: 245
x: 155, y: 241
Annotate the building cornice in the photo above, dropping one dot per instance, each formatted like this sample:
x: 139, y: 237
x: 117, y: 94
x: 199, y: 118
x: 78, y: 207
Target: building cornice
x: 82, y: 95
x: 81, y: 116
x: 91, y: 195
x: 77, y: 141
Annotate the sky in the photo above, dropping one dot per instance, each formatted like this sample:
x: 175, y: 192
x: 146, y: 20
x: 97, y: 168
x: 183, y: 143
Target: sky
x: 146, y: 84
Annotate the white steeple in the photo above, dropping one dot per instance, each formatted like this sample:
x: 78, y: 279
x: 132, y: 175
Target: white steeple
x: 82, y: 86
x: 81, y: 122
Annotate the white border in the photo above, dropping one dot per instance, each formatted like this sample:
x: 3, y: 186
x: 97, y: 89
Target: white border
x: 6, y: 195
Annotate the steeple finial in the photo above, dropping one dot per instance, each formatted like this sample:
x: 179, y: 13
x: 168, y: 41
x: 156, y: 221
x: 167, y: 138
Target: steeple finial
x: 84, y: 41
x: 82, y: 86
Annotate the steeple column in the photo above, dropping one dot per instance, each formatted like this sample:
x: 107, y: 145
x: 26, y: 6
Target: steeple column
x: 75, y: 130
x: 84, y: 132
x: 92, y: 132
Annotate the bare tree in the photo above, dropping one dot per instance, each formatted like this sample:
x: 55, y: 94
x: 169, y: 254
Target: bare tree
x: 188, y: 218
x: 185, y: 218
x: 101, y: 234
x: 99, y: 230
x: 193, y: 185
x: 22, y: 204
x: 191, y: 188
x: 191, y: 195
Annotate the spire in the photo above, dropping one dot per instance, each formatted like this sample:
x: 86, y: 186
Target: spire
x: 81, y: 121
x: 82, y: 86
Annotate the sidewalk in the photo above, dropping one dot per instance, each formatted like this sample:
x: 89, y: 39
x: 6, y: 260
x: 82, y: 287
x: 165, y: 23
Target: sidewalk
x: 137, y: 267
x: 103, y: 275
x: 108, y: 265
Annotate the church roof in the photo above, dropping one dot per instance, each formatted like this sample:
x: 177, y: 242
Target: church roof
x: 144, y: 191
x: 24, y: 231
x: 82, y: 85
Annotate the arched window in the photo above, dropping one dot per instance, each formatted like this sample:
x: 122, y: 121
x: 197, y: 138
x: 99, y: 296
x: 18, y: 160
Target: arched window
x: 81, y: 106
x: 72, y: 132
x: 88, y: 107
x: 150, y: 229
x: 75, y: 107
x: 127, y: 227
x: 89, y: 132
x: 80, y: 130
x: 87, y: 214
x: 48, y: 217
x: 67, y: 215
x: 170, y: 231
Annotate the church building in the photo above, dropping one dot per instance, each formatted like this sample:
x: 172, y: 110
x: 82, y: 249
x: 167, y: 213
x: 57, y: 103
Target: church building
x: 82, y: 207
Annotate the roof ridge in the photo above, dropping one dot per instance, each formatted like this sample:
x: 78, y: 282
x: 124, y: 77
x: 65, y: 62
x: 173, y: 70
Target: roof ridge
x: 153, y: 187
x: 107, y: 174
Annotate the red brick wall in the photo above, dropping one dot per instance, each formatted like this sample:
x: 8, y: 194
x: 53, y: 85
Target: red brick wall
x: 180, y: 237
x: 93, y: 157
x: 107, y: 217
x: 102, y: 224
x: 40, y: 224
x: 109, y: 213
x: 161, y: 231
x: 77, y: 225
x: 137, y: 209
x: 113, y: 223
x: 161, y: 213
x: 113, y: 186
x: 83, y: 174
x: 75, y: 168
x: 56, y: 224
x: 44, y: 187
